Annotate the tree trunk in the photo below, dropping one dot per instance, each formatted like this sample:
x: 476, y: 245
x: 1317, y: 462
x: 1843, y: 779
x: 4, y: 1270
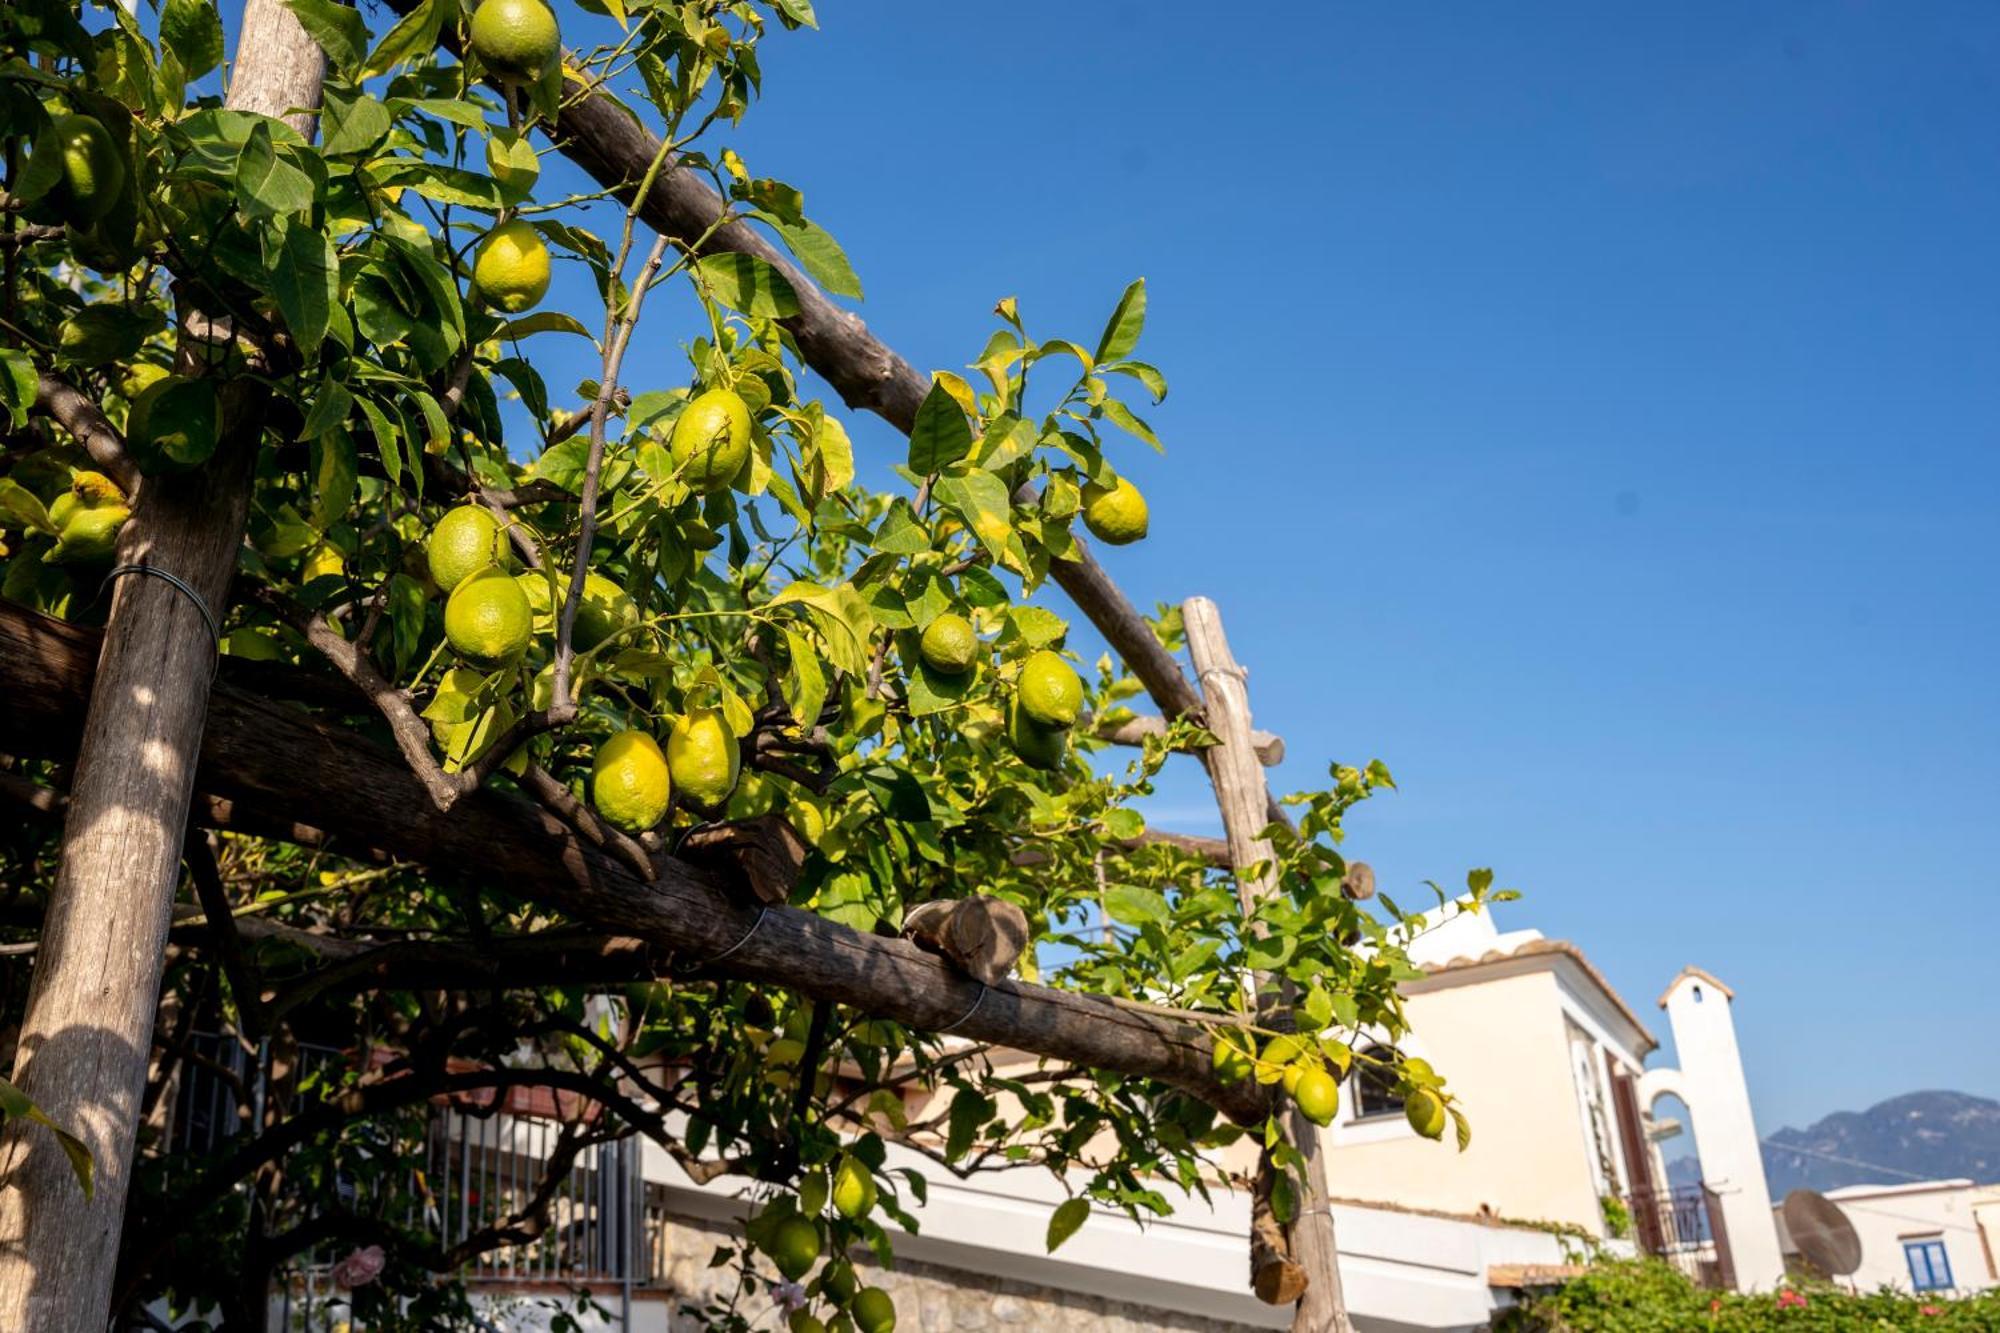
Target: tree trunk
x: 1245, y: 800
x: 88, y: 1027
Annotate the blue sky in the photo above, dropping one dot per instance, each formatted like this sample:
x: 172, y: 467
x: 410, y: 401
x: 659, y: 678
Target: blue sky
x: 1592, y: 414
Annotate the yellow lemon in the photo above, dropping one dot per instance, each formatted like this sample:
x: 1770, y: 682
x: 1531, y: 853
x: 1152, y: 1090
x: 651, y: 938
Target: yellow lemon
x: 873, y: 1311
x: 465, y: 541
x: 1425, y: 1112
x: 1039, y: 746
x: 1049, y: 690
x: 703, y: 756
x: 1283, y: 1052
x: 90, y: 169
x: 1115, y: 515
x: 516, y: 39
x: 1316, y: 1094
x: 511, y: 266
x: 711, y: 440
x: 629, y: 782
x: 948, y: 645
x: 486, y: 619
x: 795, y: 1247
x: 853, y: 1189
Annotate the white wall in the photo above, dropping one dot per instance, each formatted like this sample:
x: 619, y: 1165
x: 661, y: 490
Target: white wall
x: 1884, y: 1217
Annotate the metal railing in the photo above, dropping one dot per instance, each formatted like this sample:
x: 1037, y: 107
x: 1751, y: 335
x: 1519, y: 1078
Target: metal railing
x: 1683, y: 1226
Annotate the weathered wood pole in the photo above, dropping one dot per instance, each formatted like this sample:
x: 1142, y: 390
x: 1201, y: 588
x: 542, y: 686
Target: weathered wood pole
x: 1240, y: 791
x: 88, y: 1027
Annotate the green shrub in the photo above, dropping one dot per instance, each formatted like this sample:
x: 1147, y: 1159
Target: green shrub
x: 1647, y: 1296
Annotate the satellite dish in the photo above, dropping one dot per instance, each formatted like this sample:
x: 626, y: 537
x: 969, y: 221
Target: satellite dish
x: 1822, y: 1233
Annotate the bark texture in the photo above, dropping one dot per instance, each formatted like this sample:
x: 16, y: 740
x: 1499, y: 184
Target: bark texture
x: 87, y: 1030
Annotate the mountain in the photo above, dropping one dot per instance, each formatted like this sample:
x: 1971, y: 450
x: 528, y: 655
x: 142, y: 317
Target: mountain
x: 1928, y: 1135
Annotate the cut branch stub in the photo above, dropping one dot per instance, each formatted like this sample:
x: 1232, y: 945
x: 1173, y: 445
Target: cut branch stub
x: 1358, y: 884
x: 1270, y: 748
x: 982, y: 935
x: 765, y: 853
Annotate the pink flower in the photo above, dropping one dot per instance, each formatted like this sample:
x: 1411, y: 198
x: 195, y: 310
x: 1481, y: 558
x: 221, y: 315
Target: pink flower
x: 1788, y: 1299
x: 1715, y: 1305
x: 1929, y: 1310
x: 359, y: 1268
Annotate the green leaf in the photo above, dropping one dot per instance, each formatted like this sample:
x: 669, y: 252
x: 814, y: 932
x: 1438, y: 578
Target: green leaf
x: 352, y: 122
x: 19, y: 383
x: 15, y: 1105
x: 804, y: 685
x: 334, y: 477
x: 934, y: 693
x: 1124, y: 823
x: 192, y: 31
x: 415, y: 34
x: 1148, y: 375
x: 842, y: 618
x: 901, y: 533
x: 1069, y: 1215
x: 1121, y: 334
x: 941, y: 435
x: 545, y: 321
x: 1125, y: 419
x: 969, y: 1110
x: 20, y: 507
x: 982, y: 500
x: 817, y: 252
x: 747, y: 283
x: 305, y: 281
x: 1136, y: 905
x: 338, y: 28
x: 798, y: 11
x: 512, y: 162
x: 266, y: 183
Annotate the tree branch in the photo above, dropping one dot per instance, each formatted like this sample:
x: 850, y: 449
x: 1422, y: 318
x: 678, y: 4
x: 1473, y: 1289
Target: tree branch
x: 67, y: 406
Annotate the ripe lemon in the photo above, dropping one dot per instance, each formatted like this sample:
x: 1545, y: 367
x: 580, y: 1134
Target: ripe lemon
x: 1115, y: 515
x: 629, y: 782
x: 486, y: 619
x: 1230, y: 1061
x: 703, y: 756
x: 853, y: 1190
x: 511, y: 266
x: 321, y: 562
x: 1038, y: 745
x: 1284, y: 1051
x: 172, y: 426
x: 1049, y: 690
x: 711, y: 440
x: 794, y: 1247
x: 949, y: 645
x: 1425, y: 1112
x: 517, y: 39
x: 873, y: 1311
x: 465, y: 541
x: 91, y: 170
x: 605, y: 610
x: 88, y: 516
x: 1317, y: 1095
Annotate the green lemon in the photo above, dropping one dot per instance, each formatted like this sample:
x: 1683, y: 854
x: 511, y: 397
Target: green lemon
x: 516, y: 39
x: 173, y: 425
x: 1283, y: 1051
x: 1231, y: 1062
x: 88, y: 534
x: 90, y: 169
x: 465, y: 541
x: 949, y: 646
x: 1049, y: 690
x: 837, y: 1282
x: 1425, y: 1112
x: 486, y: 619
x: 873, y: 1311
x: 703, y: 756
x: 794, y: 1247
x: 711, y: 440
x: 798, y: 1321
x: 605, y: 610
x: 1038, y: 746
x: 1316, y: 1094
x: 511, y: 266
x: 112, y: 243
x: 1115, y: 515
x: 629, y: 782
x: 853, y: 1190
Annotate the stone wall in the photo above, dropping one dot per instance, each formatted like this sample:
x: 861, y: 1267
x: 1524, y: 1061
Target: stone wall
x: 929, y: 1298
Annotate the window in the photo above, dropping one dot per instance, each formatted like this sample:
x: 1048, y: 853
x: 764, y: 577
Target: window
x: 1930, y: 1267
x: 1374, y: 1092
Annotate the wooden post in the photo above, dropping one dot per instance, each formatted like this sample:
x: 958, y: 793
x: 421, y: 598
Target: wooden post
x: 1245, y: 800
x: 88, y: 1027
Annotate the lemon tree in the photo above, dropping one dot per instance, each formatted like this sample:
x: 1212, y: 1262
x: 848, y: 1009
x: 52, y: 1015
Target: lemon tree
x: 623, y: 614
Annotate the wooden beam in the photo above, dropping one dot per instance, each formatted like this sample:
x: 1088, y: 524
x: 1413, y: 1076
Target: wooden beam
x: 264, y: 763
x: 1133, y: 731
x: 1245, y: 800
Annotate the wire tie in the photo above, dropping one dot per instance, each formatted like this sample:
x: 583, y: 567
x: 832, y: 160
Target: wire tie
x: 961, y: 1019
x: 185, y: 589
x: 762, y: 912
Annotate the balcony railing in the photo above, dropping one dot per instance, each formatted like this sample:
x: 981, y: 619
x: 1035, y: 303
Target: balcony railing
x: 1684, y: 1227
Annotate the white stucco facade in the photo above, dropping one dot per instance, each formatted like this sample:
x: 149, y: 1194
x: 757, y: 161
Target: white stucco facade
x: 1933, y: 1235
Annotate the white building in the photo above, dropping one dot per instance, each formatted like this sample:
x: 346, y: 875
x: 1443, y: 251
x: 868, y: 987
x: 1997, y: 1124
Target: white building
x: 1933, y: 1235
